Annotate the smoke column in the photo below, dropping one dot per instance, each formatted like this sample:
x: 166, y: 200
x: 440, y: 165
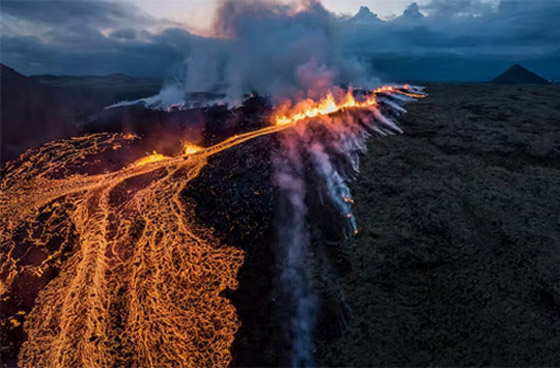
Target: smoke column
x: 281, y: 50
x: 291, y: 249
x: 321, y: 157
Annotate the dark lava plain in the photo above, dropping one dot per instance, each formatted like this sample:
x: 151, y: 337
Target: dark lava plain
x: 457, y: 262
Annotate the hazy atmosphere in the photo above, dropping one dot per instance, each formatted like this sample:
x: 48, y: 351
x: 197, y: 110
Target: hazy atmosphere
x: 462, y: 40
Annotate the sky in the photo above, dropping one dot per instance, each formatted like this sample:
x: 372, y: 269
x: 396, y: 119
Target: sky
x: 198, y: 13
x: 431, y: 40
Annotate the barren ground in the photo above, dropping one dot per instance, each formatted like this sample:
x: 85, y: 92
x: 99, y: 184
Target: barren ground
x: 457, y: 258
x: 457, y: 262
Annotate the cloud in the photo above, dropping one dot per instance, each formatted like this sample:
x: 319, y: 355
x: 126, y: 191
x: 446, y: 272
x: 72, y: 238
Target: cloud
x: 61, y: 12
x: 103, y: 55
x: 275, y: 49
x: 124, y: 34
x: 274, y: 41
x: 88, y: 38
x: 464, y: 40
x: 445, y: 8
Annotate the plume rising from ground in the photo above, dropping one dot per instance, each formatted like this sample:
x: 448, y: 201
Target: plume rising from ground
x: 320, y: 158
x: 282, y: 50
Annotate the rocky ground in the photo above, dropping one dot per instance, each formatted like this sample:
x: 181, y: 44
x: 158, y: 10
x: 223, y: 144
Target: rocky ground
x: 457, y: 258
x: 457, y: 262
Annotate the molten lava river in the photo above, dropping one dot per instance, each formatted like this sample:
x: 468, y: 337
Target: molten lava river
x: 133, y: 280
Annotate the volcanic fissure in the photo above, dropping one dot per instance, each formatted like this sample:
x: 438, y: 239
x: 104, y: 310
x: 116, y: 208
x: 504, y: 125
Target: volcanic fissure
x: 129, y: 277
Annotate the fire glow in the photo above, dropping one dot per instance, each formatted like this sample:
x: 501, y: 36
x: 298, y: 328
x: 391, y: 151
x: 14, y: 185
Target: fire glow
x: 190, y: 149
x: 286, y: 114
x: 138, y: 250
x: 151, y: 158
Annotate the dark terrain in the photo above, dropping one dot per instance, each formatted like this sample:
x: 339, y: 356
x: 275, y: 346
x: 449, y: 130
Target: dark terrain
x: 456, y: 262
x: 36, y: 110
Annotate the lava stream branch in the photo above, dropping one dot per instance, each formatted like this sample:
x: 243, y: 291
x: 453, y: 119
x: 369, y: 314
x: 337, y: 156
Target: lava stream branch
x: 138, y: 281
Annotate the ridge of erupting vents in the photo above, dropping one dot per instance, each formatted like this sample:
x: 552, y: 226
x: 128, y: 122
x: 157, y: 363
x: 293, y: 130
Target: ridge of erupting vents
x: 314, y: 164
x: 139, y: 282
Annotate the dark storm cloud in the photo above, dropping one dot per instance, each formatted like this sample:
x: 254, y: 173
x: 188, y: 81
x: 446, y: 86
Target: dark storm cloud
x: 446, y: 8
x: 447, y: 40
x: 462, y: 40
x: 60, y: 12
x: 88, y: 38
x: 124, y: 34
x: 32, y: 56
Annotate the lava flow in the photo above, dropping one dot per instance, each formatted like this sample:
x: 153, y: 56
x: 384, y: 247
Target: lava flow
x: 307, y: 109
x: 137, y: 282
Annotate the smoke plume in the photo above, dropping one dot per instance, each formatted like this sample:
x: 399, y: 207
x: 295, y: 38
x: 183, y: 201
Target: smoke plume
x: 318, y: 160
x: 293, y: 245
x: 268, y: 48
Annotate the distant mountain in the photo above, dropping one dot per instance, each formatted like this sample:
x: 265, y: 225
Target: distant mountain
x: 364, y: 16
x: 43, y: 108
x: 519, y: 75
x: 412, y: 12
x: 9, y: 75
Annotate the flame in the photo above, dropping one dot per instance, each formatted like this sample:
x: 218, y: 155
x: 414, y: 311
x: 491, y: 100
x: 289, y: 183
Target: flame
x: 307, y: 109
x: 189, y: 149
x: 154, y: 157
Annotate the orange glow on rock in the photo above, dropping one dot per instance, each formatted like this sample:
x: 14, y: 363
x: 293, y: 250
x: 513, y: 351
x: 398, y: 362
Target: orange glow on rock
x: 154, y: 157
x: 189, y: 149
x: 140, y: 283
x: 287, y: 114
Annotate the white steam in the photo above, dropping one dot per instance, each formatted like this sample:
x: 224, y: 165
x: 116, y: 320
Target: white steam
x: 269, y: 48
x: 291, y: 249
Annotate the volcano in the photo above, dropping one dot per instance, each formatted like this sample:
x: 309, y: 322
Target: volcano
x: 519, y: 75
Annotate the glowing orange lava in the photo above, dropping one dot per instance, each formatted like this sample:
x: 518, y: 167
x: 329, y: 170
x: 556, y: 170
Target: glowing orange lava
x: 154, y: 157
x: 189, y: 149
x: 287, y: 114
x: 140, y: 281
